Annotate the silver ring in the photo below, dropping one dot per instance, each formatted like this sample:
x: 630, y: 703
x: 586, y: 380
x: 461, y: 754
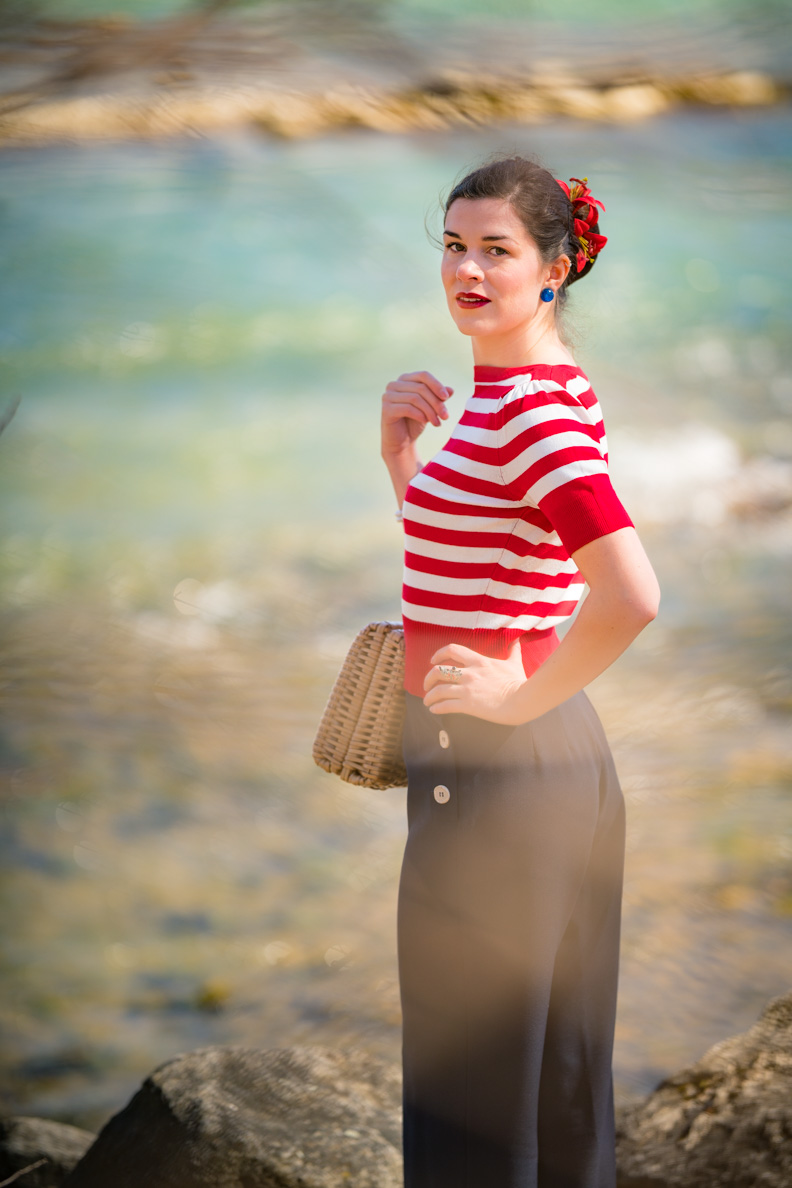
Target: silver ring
x: 452, y: 674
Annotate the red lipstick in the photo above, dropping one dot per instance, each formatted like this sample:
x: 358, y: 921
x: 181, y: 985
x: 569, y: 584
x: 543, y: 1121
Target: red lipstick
x: 471, y: 300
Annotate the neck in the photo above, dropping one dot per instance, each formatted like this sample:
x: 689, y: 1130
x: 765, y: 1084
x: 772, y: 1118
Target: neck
x: 524, y: 345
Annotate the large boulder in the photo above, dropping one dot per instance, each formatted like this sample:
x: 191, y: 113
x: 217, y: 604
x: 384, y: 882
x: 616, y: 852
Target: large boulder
x: 49, y: 1149
x: 235, y: 1117
x: 724, y: 1123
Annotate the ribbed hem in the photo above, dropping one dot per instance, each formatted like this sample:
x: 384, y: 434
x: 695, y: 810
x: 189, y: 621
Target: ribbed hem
x: 422, y: 640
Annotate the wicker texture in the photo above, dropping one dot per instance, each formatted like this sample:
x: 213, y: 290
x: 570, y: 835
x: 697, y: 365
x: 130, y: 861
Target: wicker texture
x: 360, y: 734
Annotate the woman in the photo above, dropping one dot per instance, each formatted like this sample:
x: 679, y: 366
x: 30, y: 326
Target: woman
x: 510, y: 892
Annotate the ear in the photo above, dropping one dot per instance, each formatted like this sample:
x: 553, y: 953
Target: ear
x: 557, y: 272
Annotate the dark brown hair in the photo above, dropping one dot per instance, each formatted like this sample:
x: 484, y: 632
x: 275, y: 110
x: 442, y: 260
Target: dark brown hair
x: 536, y: 197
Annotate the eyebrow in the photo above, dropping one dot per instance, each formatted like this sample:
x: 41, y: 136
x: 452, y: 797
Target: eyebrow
x: 484, y: 238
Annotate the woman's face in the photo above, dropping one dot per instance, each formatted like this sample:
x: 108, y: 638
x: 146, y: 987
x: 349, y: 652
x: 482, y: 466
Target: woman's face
x: 492, y: 271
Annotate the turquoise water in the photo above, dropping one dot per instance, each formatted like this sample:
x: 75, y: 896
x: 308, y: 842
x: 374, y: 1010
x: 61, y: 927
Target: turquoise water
x: 196, y: 519
x: 162, y: 303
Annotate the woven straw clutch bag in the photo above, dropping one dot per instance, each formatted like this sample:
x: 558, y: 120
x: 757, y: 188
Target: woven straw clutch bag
x: 360, y: 734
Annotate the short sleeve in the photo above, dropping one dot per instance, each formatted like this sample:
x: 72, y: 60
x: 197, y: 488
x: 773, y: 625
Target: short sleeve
x: 553, y: 455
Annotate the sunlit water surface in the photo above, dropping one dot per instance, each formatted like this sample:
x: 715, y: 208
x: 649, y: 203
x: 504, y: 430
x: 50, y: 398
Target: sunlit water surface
x: 197, y: 521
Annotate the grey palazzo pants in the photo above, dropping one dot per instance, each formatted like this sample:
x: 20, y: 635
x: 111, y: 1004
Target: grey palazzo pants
x: 508, y: 942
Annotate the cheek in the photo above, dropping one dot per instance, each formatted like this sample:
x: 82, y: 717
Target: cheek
x: 448, y: 270
x: 519, y: 289
x: 518, y: 280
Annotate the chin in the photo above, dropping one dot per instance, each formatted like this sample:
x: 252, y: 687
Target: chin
x: 472, y: 324
x: 471, y: 331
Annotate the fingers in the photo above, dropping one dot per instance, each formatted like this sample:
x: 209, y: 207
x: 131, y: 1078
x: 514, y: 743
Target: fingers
x: 408, y: 396
x: 432, y: 383
x: 444, y: 694
x: 418, y: 395
x: 436, y: 677
x: 452, y: 655
x: 412, y: 406
x: 455, y: 654
x: 447, y: 707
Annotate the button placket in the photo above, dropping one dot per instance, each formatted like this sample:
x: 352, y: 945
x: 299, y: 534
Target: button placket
x: 444, y: 792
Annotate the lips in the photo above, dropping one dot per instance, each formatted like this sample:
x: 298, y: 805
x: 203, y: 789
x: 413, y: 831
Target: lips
x: 471, y: 300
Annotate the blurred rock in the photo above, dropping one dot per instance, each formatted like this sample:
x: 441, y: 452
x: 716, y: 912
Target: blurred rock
x: 292, y: 113
x: 741, y: 88
x: 299, y: 70
x: 54, y: 1146
x: 224, y: 1116
x: 635, y: 102
x: 724, y: 1123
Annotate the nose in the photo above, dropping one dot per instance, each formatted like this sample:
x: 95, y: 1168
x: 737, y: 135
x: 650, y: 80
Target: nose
x: 469, y: 270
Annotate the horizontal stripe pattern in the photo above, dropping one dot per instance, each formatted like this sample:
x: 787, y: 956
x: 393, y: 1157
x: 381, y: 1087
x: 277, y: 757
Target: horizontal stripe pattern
x: 492, y: 520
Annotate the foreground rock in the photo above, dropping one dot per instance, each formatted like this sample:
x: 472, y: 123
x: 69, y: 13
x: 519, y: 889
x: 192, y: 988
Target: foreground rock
x: 223, y: 1117
x: 49, y: 1149
x: 318, y: 1118
x: 724, y: 1123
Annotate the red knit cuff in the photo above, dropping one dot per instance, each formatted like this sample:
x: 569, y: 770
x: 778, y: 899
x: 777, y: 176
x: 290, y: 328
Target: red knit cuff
x: 583, y: 510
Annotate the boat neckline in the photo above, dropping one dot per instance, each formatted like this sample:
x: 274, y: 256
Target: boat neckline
x: 484, y: 372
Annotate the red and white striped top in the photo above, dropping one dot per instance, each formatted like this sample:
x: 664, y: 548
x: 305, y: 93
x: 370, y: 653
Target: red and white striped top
x: 492, y: 521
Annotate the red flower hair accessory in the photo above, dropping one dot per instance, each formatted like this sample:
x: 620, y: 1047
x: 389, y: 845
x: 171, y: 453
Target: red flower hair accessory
x: 586, y: 217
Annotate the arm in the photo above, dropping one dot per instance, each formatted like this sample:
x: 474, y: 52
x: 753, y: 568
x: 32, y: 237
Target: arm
x: 409, y: 404
x: 623, y: 597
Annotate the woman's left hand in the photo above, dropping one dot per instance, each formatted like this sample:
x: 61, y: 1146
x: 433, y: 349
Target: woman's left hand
x: 484, y: 688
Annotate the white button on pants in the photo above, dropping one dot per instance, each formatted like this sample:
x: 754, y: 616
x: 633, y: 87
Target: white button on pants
x: 441, y: 794
x: 445, y: 741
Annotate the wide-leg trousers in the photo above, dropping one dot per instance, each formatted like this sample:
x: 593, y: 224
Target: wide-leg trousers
x: 508, y: 943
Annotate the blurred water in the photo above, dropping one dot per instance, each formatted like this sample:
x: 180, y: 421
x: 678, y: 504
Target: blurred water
x: 196, y: 519
x: 573, y: 11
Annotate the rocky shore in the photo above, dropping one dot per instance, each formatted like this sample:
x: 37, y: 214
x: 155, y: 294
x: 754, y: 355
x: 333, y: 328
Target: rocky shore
x: 305, y: 69
x: 316, y: 1117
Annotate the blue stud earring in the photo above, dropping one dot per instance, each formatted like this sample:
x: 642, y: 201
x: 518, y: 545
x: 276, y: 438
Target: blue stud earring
x: 547, y: 294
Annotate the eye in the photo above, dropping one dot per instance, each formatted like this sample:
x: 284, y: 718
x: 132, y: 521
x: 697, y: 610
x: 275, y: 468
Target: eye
x: 453, y: 245
x: 499, y: 251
